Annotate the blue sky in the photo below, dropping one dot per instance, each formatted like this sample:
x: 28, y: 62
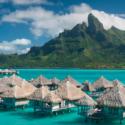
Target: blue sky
x: 24, y: 23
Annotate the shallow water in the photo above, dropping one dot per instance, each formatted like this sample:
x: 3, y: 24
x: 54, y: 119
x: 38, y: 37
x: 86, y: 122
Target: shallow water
x: 27, y: 117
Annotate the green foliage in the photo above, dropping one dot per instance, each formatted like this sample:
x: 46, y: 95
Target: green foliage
x: 81, y: 47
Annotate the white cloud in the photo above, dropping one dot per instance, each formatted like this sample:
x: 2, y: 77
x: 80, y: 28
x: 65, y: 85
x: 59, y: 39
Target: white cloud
x: 3, y: 1
x: 21, y: 42
x: 83, y: 8
x: 32, y: 13
x: 29, y: 2
x: 11, y: 47
x: 37, y: 32
x: 44, y: 22
x: 120, y: 15
x: 26, y: 50
x: 6, y: 46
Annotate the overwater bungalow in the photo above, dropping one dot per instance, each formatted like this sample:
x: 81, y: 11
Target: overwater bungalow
x: 41, y: 81
x: 36, y: 97
x: 42, y: 100
x: 71, y: 80
x: 113, y: 103
x: 116, y: 81
x: 102, y: 85
x: 15, y: 97
x: 12, y: 71
x: 69, y: 94
x: 54, y: 85
x: 6, y: 71
x: 51, y: 103
x: 1, y: 71
x: 86, y: 107
x: 89, y: 89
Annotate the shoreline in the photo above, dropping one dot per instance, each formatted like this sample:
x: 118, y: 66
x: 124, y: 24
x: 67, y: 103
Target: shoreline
x: 53, y: 68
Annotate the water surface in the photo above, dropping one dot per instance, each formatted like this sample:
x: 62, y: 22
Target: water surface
x: 27, y: 117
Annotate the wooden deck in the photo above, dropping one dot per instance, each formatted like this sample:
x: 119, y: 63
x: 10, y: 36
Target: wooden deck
x: 95, y: 118
x: 54, y: 110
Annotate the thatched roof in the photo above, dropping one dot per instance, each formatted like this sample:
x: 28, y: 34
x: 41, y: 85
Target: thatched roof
x: 4, y: 79
x: 52, y: 98
x: 115, y: 82
x: 13, y: 71
x: 4, y: 88
x: 88, y: 88
x: 85, y: 82
x: 102, y: 83
x: 41, y: 81
x: 39, y: 94
x: 71, y: 80
x: 114, y: 98
x: 68, y: 91
x: 27, y: 86
x: 86, y: 101
x: 14, y: 80
x: 6, y: 71
x: 55, y: 81
x: 31, y: 80
x: 15, y: 92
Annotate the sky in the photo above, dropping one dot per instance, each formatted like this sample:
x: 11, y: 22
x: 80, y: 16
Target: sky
x: 25, y: 23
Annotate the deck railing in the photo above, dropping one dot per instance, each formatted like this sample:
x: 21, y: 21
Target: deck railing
x: 96, y: 94
x: 90, y: 112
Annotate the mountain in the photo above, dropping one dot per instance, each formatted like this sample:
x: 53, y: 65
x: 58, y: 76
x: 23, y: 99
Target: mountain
x: 81, y: 47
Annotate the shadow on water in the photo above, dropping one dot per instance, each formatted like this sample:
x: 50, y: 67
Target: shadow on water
x: 68, y: 118
x: 29, y: 115
x: 81, y: 121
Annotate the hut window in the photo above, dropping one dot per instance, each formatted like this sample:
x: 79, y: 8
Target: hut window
x: 109, y: 111
x: 115, y: 111
x: 8, y: 100
x: 36, y: 103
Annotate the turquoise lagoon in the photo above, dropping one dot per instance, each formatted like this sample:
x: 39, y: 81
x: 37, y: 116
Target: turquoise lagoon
x: 27, y: 117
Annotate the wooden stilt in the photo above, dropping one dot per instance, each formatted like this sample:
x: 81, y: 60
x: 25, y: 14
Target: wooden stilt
x: 63, y: 112
x: 120, y: 121
x: 34, y: 111
x: 15, y: 109
x: 56, y: 113
x: 23, y: 107
x: 68, y: 110
x: 85, y: 120
x: 51, y: 114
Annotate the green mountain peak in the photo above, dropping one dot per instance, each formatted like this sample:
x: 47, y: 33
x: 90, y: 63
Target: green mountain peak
x: 94, y: 25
